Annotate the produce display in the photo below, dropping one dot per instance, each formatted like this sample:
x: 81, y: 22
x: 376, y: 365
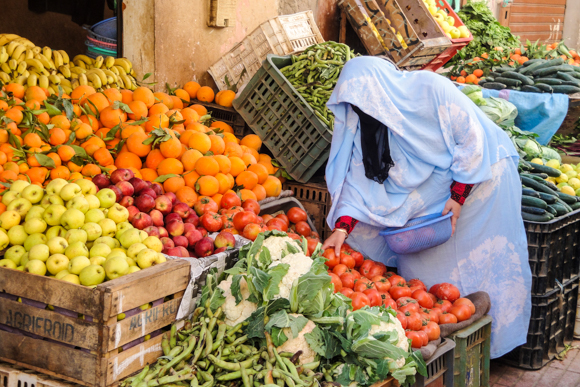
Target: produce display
x: 294, y: 223
x: 24, y: 63
x: 446, y: 22
x: 314, y: 74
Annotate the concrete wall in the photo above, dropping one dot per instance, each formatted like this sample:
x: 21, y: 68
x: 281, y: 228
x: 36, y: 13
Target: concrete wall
x: 572, y: 24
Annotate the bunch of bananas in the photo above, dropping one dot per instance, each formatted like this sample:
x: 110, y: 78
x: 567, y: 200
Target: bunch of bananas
x: 21, y: 61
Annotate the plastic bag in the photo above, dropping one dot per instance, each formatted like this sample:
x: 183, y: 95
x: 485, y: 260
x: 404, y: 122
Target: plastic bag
x: 475, y: 94
x: 500, y: 111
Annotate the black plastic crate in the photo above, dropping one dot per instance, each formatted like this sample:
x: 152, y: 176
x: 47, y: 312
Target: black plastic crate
x: 554, y: 252
x: 551, y: 327
x: 439, y: 367
x: 228, y: 115
x: 315, y: 198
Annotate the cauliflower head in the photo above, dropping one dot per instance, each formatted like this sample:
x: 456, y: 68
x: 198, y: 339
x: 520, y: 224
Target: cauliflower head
x: 299, y: 343
x: 278, y: 244
x: 233, y: 313
x: 395, y: 325
x: 299, y: 264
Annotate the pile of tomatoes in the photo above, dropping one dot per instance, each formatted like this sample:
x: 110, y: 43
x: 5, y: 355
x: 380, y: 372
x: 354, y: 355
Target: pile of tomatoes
x: 294, y: 222
x: 420, y: 312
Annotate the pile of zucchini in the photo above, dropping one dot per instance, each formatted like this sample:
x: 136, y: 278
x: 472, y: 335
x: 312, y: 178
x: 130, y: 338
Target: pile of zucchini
x: 536, y: 76
x: 542, y: 201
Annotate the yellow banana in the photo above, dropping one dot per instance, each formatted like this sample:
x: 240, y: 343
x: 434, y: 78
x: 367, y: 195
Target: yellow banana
x: 115, y: 70
x: 20, y: 80
x: 26, y: 73
x: 83, y: 79
x: 120, y: 83
x: 57, y: 59
x: 124, y: 63
x: 54, y: 79
x: 3, y: 41
x: 84, y: 59
x: 18, y: 51
x: 67, y: 89
x: 65, y: 82
x: 100, y: 73
x: 35, y: 63
x: 3, y: 55
x: 11, y: 47
x: 126, y: 81
x: 5, y: 78
x: 45, y: 62
x: 65, y: 71
x: 94, y: 78
x: 98, y: 62
x: 13, y: 64
x: 47, y: 52
x: 111, y: 80
x: 4, y: 67
x: 25, y: 42
x: 74, y: 76
x: 78, y: 70
x: 79, y: 63
x: 10, y: 37
x: 36, y: 50
x: 75, y: 83
x: 21, y: 57
x: 110, y: 74
x: 109, y: 62
x: 64, y: 55
x: 133, y: 74
x: 52, y: 90
x: 29, y: 53
x: 32, y: 80
x: 21, y: 68
x: 43, y: 81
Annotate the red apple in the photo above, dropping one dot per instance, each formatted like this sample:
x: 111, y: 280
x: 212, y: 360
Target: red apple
x: 144, y: 202
x: 167, y: 242
x: 231, y: 231
x: 193, y: 237
x: 101, y: 180
x: 163, y: 232
x: 148, y: 191
x: 175, y: 228
x: 204, y: 247
x: 157, y: 188
x: 192, y: 218
x: 163, y: 204
x: 172, y: 217
x: 225, y: 239
x: 126, y: 188
x: 182, y: 209
x: 174, y: 252
x: 157, y: 218
x: 152, y: 231
x: 202, y: 230
x: 251, y: 231
x: 132, y: 212
x: 171, y: 196
x: 211, y: 221
x: 184, y: 251
x: 180, y: 240
x: 121, y: 174
x: 117, y: 192
x: 127, y: 201
x: 138, y: 184
x: 188, y: 227
x: 141, y: 221
x: 205, y: 204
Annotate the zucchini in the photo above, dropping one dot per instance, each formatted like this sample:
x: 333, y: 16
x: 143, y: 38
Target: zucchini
x: 508, y: 81
x: 529, y: 201
x: 548, y: 81
x: 551, y: 70
x: 495, y: 74
x: 549, y: 199
x: 531, y: 192
x: 563, y: 203
x: 536, y: 186
x: 566, y: 76
x: 568, y: 199
x: 575, y: 206
x: 552, y: 186
x: 532, y: 66
x: 533, y: 61
x: 494, y: 85
x: 575, y: 83
x: 560, y: 209
x: 533, y: 210
x: 531, y: 89
x: 502, y: 70
x: 536, y: 218
x: 552, y: 210
x: 537, y: 168
x: 520, y: 77
x: 545, y: 88
x: 550, y: 63
x: 539, y: 177
x: 574, y: 74
x: 525, y: 165
x: 565, y: 89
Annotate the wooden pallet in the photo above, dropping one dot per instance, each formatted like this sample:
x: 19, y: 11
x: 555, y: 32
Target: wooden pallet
x: 94, y: 349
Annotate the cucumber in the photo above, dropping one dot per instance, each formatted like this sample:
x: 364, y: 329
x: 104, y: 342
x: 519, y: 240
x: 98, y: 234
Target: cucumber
x: 536, y: 218
x: 560, y: 209
x: 568, y: 199
x: 514, y: 88
x: 552, y: 210
x: 549, y: 199
x: 563, y: 203
x: 525, y: 69
x: 530, y: 192
x: 533, y: 210
x: 566, y: 76
x: 531, y: 89
x: 533, y: 61
x: 575, y: 206
x: 537, y: 168
x: 552, y: 186
x: 529, y: 201
x: 520, y: 77
x: 495, y: 74
x: 551, y: 70
x: 548, y: 81
x: 574, y: 74
x: 565, y: 89
x: 545, y: 88
x: 550, y: 63
x: 539, y: 177
x: 575, y: 83
x: 494, y: 85
x: 502, y: 70
x: 536, y: 186
x: 508, y: 81
x: 523, y: 164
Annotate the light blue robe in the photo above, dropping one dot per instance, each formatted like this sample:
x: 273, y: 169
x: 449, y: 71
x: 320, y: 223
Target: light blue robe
x: 436, y: 135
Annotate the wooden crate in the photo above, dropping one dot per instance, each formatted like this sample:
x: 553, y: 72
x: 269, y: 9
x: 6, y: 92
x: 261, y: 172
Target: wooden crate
x: 14, y: 376
x: 360, y: 21
x: 96, y: 350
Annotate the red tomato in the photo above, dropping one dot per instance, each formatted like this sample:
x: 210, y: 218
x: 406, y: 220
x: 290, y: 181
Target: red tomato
x: 405, y: 300
x: 230, y: 199
x: 396, y: 280
x: 432, y: 296
x: 399, y: 291
x: 347, y: 259
x: 417, y: 338
x: 359, y: 300
x: 347, y: 292
x: 356, y: 274
x: 383, y: 266
x: 402, y: 318
x: 366, y: 267
x: 465, y: 301
x: 462, y: 312
x: 265, y: 218
x: 389, y: 274
x: 432, y: 314
x: 340, y: 269
x: 336, y: 282
x: 447, y: 318
x: 444, y: 305
x: 423, y: 298
x: 278, y: 224
x: 414, y: 321
x: 361, y: 286
x: 417, y: 282
x: 410, y: 308
x: 432, y: 330
x: 205, y: 204
x: 376, y: 270
x: 374, y: 296
x: 448, y: 292
x: 251, y: 205
x: 242, y: 219
x: 358, y: 258
x: 387, y: 301
x: 413, y: 288
x: 284, y: 218
x: 211, y: 221
x: 303, y: 229
x: 296, y: 214
x: 382, y: 284
x: 433, y: 289
x: 347, y: 280
x: 312, y: 244
x: 332, y: 259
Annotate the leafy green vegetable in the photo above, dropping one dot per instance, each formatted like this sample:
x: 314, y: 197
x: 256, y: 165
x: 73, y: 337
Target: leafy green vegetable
x: 500, y: 111
x: 323, y: 342
x: 475, y: 94
x: 276, y: 274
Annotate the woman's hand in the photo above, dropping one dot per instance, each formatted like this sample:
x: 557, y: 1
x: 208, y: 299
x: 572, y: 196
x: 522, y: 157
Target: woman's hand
x: 454, y: 207
x: 335, y: 240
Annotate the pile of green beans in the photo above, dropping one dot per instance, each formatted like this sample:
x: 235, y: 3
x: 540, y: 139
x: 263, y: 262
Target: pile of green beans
x: 314, y: 74
x: 206, y: 353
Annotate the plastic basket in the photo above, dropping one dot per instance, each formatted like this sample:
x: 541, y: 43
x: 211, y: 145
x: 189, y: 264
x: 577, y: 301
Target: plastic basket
x: 96, y: 51
x: 106, y: 29
x: 439, y: 367
x: 316, y: 200
x: 472, y: 353
x: 421, y: 234
x: 284, y: 121
x: 554, y: 251
x: 284, y: 205
x: 551, y: 327
x: 98, y: 43
x: 225, y: 114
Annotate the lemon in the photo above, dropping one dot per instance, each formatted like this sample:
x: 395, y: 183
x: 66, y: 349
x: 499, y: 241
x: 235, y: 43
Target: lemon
x: 566, y: 168
x: 537, y: 161
x: 574, y: 182
x: 571, y: 174
x: 568, y: 190
x: 551, y: 180
x: 563, y: 178
x: 553, y: 164
x: 560, y: 185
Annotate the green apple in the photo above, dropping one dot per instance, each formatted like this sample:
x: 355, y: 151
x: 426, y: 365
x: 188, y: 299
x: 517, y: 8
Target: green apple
x: 18, y: 185
x: 33, y: 193
x: 55, y: 186
x: 111, y: 242
x: 34, y: 239
x: 35, y: 267
x: 47, y: 200
x: 7, y: 263
x: 143, y: 235
x: 72, y: 278
x: 108, y: 227
x: 17, y: 235
x: 93, y: 231
x: 107, y: 197
x: 57, y: 263
x: 131, y: 261
x: 99, y: 250
x: 130, y: 237
x: 116, y: 267
x: 94, y: 202
x: 153, y: 243
x: 147, y: 258
x: 9, y: 219
x: 24, y: 259
x: 464, y: 31
x: 40, y: 252
x: 133, y: 269
x: 20, y: 268
x: 78, y: 202
x: 4, y: 240
x: 56, y: 231
x: 124, y: 226
x: 15, y: 253
x: 118, y: 213
x: 35, y: 225
x: 97, y: 260
x: 92, y: 275
x: 57, y: 245
x: 53, y: 214
x: 90, y: 244
x: 76, y: 249
x: 161, y: 258
x: 72, y: 218
x: 20, y: 205
x: 69, y: 191
x: 77, y: 264
x: 133, y: 250
x: 76, y: 235
x: 61, y: 273
x: 94, y: 215
x: 34, y: 212
x: 454, y: 32
x: 450, y: 20
x: 87, y: 186
x: 9, y: 197
x: 116, y: 254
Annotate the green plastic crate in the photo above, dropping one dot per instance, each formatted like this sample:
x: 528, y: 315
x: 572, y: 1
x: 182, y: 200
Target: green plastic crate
x: 284, y: 121
x: 472, y: 350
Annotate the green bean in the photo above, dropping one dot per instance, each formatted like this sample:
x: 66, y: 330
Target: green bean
x: 175, y: 351
x: 139, y: 378
x: 165, y: 345
x: 169, y: 379
x: 208, y: 341
x: 200, y: 344
x: 176, y: 360
x: 311, y: 366
x: 208, y: 378
x: 194, y: 382
x: 234, y: 329
x: 291, y: 367
x: 232, y: 366
x: 239, y: 340
x: 280, y: 382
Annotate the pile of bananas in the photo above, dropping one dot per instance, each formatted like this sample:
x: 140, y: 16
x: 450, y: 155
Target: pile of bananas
x: 21, y: 61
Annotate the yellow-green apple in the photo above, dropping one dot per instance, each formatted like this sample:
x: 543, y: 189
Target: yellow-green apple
x: 35, y: 225
x: 47, y: 200
x: 72, y: 218
x: 69, y: 191
x: 93, y: 231
x: 116, y: 267
x: 34, y: 239
x: 55, y: 186
x: 107, y: 197
x: 14, y: 254
x: 78, y: 202
x: 76, y: 249
x: 35, y: 267
x: 57, y: 263
x: 34, y: 212
x: 77, y: 264
x: 20, y: 205
x: 57, y: 245
x: 92, y: 275
x: 53, y: 214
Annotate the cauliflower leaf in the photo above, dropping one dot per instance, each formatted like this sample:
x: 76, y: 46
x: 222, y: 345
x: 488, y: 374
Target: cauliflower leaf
x: 323, y: 342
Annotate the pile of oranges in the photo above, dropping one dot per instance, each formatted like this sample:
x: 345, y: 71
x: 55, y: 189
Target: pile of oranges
x: 162, y: 138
